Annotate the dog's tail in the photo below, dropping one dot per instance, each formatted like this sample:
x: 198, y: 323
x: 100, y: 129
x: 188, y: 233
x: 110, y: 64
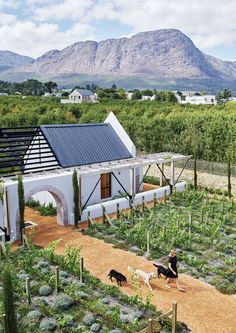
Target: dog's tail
x: 156, y: 265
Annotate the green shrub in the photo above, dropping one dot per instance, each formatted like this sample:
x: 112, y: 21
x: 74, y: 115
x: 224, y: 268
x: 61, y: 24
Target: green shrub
x: 223, y: 285
x: 48, y: 325
x: 45, y: 290
x: 95, y: 327
x: 34, y: 314
x: 63, y: 302
x: 89, y: 319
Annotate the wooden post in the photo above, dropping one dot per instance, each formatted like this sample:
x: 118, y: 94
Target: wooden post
x: 88, y: 218
x: 148, y: 242
x: 223, y: 206
x: 190, y: 224
x: 161, y: 175
x: 165, y: 196
x: 103, y: 215
x: 132, y: 187
x: 22, y: 236
x: 174, y: 317
x: 27, y: 285
x: 4, y: 321
x: 1, y: 253
x: 150, y: 326
x: 172, y: 175
x: 154, y: 200
x: 143, y: 203
x: 57, y: 279
x: 81, y: 269
x: 202, y: 215
x: 117, y: 211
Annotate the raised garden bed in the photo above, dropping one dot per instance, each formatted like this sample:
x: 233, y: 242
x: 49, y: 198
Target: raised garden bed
x: 201, y: 228
x: 89, y: 306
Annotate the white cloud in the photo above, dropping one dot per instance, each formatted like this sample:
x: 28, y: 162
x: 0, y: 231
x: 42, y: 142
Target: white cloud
x: 209, y: 23
x: 67, y: 9
x: 34, y: 40
x: 42, y: 27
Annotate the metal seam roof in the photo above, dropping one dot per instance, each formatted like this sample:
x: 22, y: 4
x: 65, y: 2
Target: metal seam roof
x: 84, y: 144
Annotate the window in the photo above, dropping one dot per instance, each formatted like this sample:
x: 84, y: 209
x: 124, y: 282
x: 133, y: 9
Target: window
x: 105, y: 185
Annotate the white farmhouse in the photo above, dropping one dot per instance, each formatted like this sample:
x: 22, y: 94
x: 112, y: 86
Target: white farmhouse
x: 109, y: 172
x: 203, y: 99
x: 81, y: 96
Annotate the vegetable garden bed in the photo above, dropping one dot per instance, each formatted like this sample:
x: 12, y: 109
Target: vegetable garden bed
x: 77, y: 307
x: 200, y: 227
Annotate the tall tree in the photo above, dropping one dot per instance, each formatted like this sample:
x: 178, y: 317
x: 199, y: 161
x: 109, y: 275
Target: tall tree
x: 9, y: 300
x: 75, y: 198
x: 21, y: 203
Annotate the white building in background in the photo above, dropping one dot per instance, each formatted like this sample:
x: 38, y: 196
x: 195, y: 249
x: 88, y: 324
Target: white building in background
x: 78, y: 96
x: 203, y: 99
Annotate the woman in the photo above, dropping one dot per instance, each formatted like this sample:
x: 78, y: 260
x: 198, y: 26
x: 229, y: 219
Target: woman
x: 172, y: 270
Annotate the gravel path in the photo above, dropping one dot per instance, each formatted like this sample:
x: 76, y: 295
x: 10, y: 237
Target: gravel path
x: 201, y: 307
x: 204, y: 179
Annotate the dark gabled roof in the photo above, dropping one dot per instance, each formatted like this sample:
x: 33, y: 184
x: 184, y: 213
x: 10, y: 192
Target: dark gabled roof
x: 84, y: 92
x: 75, y: 145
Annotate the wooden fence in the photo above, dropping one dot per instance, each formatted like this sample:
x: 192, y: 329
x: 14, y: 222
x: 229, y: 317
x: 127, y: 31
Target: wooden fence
x: 154, y: 324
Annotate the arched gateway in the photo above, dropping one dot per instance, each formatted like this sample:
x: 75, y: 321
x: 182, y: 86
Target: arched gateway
x: 61, y: 204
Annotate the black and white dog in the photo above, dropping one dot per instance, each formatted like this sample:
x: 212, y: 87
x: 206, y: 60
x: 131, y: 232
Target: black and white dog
x: 118, y: 276
x: 161, y: 270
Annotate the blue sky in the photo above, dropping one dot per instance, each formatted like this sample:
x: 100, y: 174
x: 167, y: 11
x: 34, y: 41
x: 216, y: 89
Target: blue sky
x: 33, y: 27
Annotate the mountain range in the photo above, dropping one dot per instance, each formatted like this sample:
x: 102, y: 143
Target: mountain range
x: 162, y: 59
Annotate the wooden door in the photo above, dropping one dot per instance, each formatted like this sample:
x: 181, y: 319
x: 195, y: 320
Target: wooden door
x: 105, y: 185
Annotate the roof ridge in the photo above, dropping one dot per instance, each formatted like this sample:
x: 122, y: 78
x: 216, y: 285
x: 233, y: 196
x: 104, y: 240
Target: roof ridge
x: 74, y: 125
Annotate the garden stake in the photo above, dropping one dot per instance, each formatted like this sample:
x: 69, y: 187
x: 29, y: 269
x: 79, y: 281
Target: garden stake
x: 143, y: 203
x: 88, y: 218
x: 174, y: 317
x: 202, y: 215
x: 213, y: 213
x: 148, y: 242
x: 103, y: 215
x: 56, y: 279
x: 154, y: 200
x: 190, y: 224
x: 81, y: 269
x: 165, y: 196
x: 150, y: 326
x: 117, y: 211
x: 223, y: 207
x: 27, y: 284
x: 4, y: 321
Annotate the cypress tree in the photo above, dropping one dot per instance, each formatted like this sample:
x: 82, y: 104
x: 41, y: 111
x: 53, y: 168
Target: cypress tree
x: 76, y: 198
x: 229, y: 177
x: 9, y: 301
x: 195, y: 170
x: 21, y: 203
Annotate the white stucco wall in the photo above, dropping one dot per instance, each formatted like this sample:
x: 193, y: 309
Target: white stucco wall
x: 39, y: 187
x: 111, y: 119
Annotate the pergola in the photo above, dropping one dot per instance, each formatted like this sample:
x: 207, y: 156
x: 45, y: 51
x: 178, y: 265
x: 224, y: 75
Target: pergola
x: 158, y: 159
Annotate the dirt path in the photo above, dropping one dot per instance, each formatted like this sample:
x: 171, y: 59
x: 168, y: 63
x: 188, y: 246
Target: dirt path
x: 204, y: 179
x: 201, y: 307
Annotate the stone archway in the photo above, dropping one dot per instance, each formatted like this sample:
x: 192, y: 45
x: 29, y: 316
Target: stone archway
x: 61, y: 204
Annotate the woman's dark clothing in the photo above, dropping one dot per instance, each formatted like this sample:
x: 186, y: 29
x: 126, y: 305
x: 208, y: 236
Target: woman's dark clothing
x: 173, y: 263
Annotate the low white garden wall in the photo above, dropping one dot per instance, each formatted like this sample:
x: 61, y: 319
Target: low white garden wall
x: 111, y: 206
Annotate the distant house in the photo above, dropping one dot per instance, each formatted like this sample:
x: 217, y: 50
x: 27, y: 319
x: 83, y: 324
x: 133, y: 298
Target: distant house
x: 81, y: 96
x: 204, y: 99
x: 148, y: 98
